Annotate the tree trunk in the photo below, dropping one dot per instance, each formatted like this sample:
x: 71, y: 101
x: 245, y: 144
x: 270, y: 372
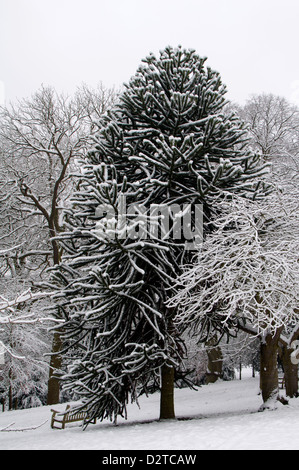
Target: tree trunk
x: 56, y: 359
x: 290, y: 372
x: 55, y: 366
x: 269, y: 369
x: 10, y: 399
x: 215, y: 361
x: 167, y: 393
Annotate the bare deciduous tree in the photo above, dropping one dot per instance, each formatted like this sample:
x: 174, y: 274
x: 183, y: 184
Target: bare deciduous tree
x: 247, y: 277
x: 273, y: 125
x: 42, y: 138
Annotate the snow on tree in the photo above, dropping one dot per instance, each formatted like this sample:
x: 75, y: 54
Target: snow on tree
x: 274, y: 129
x: 273, y: 125
x: 24, y: 368
x: 41, y: 139
x: 246, y: 277
x: 167, y: 144
x: 23, y: 343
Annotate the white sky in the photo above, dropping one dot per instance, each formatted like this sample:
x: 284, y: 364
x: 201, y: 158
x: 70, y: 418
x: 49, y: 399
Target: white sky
x: 63, y: 43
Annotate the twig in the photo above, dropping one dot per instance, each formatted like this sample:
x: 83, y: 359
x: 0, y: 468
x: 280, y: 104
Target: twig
x: 4, y: 429
x: 23, y: 429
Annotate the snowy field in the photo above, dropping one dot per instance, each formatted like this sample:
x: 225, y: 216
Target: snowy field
x: 219, y: 416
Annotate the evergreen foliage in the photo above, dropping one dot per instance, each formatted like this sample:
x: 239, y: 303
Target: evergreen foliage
x: 167, y: 141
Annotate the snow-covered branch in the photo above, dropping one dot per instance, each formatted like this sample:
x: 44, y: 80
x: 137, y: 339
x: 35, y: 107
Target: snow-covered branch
x: 30, y: 428
x: 247, y: 273
x: 14, y: 317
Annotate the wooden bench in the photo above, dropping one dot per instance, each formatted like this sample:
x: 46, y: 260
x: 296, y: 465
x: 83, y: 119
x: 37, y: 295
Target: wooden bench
x: 68, y: 416
x: 281, y: 382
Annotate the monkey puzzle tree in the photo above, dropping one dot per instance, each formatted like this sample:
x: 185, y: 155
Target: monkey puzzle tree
x: 167, y: 145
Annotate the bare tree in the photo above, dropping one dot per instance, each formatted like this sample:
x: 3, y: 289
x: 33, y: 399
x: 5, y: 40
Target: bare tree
x: 247, y: 277
x: 23, y: 341
x: 42, y: 140
x: 273, y: 125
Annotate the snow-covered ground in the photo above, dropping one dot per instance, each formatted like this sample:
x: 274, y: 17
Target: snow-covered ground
x: 223, y: 415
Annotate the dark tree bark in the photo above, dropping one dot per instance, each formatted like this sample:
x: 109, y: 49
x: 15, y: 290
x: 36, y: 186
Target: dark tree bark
x: 55, y: 366
x: 269, y: 369
x: 215, y: 361
x: 167, y: 393
x: 290, y: 371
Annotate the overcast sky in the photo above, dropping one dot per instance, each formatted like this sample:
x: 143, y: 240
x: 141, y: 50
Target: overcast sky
x: 63, y: 43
